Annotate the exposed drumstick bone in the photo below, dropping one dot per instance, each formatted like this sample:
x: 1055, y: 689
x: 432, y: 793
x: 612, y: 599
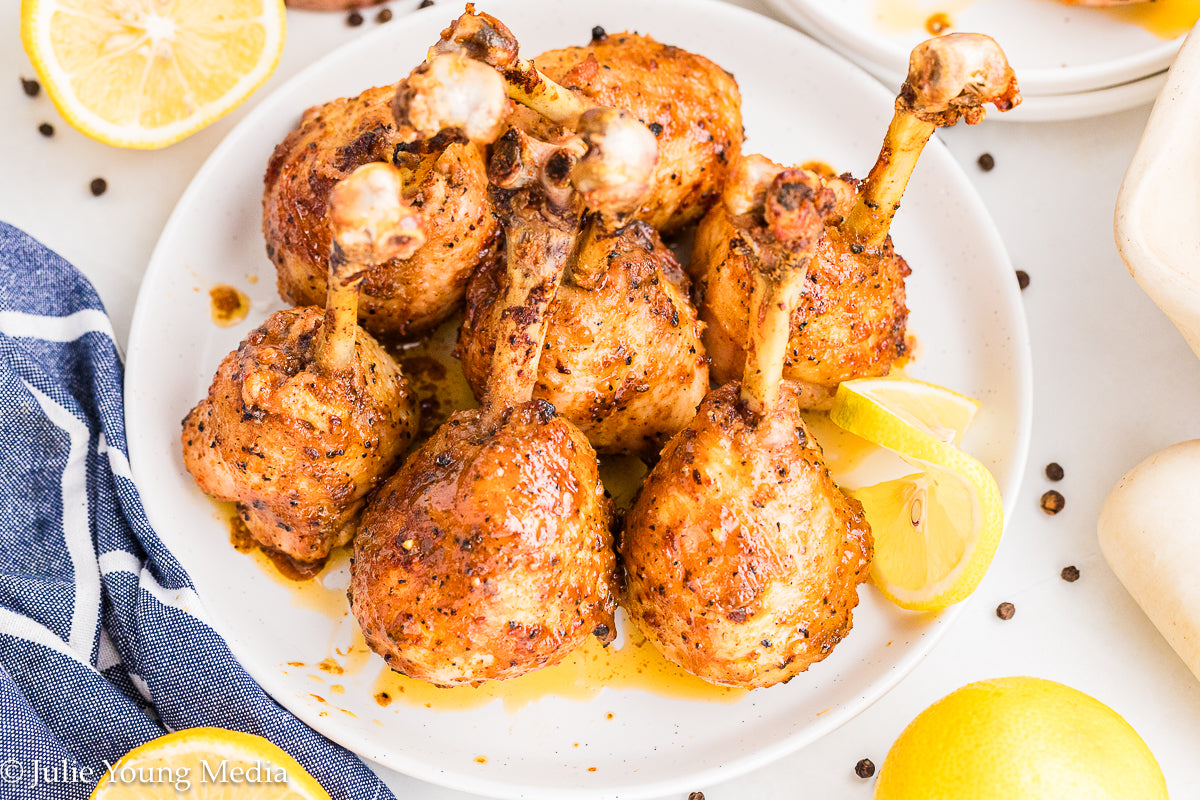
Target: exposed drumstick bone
x: 949, y: 77
x: 449, y: 98
x: 370, y: 224
x: 540, y: 237
x: 794, y: 209
x: 487, y: 39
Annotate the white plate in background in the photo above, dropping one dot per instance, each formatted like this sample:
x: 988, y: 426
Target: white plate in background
x: 1055, y: 49
x: 801, y: 102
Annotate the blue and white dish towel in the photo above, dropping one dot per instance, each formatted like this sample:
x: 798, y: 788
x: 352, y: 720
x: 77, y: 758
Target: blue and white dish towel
x: 103, y: 643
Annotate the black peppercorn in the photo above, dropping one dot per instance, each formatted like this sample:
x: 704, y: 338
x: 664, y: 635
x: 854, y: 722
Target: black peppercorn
x: 1006, y: 610
x: 865, y: 768
x: 986, y: 162
x: 98, y: 186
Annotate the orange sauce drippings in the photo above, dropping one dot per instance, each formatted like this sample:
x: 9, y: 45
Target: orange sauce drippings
x: 907, y: 15
x: 228, y: 305
x: 938, y: 23
x: 302, y: 580
x: 435, y: 375
x: 637, y: 665
x: 1167, y: 19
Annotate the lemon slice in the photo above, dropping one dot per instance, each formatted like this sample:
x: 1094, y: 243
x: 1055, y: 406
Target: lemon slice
x: 936, y: 530
x: 208, y: 764
x: 146, y: 73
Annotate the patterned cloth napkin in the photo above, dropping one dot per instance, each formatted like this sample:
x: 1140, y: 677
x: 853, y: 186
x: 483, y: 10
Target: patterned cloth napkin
x: 103, y: 641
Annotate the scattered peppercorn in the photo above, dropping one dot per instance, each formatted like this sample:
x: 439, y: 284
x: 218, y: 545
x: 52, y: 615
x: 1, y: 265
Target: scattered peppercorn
x: 30, y: 86
x: 865, y: 768
x: 425, y: 4
x: 655, y: 128
x: 1054, y: 471
x: 1053, y: 502
x: 1022, y: 279
x: 46, y: 129
x: 384, y: 15
x: 1005, y: 610
x: 696, y: 796
x: 98, y: 186
x: 987, y: 162
x: 599, y: 34
x: 1070, y: 574
x: 354, y: 19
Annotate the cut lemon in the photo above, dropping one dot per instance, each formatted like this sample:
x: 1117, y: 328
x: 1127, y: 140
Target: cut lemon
x: 146, y: 73
x: 208, y: 764
x: 936, y: 530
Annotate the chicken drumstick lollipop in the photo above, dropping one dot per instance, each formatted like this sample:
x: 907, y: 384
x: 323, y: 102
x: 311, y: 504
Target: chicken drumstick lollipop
x: 742, y: 558
x: 310, y: 413
x: 489, y: 554
x: 852, y: 317
x: 691, y: 104
x: 432, y: 125
x: 622, y: 358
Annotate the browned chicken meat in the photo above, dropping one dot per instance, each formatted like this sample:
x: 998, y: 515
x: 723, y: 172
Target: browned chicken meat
x: 490, y: 554
x: 851, y: 320
x: 445, y: 181
x: 691, y: 104
x: 622, y: 358
x: 742, y: 558
x: 310, y: 413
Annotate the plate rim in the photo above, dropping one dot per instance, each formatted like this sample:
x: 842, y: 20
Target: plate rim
x: 869, y: 694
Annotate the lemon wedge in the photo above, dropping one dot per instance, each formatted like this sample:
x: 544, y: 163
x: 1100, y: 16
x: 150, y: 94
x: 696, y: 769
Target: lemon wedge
x: 208, y: 764
x: 146, y: 73
x: 936, y: 530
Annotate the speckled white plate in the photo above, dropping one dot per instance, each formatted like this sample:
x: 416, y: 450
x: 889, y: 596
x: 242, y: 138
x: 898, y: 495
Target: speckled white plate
x: 801, y: 102
x: 1055, y: 49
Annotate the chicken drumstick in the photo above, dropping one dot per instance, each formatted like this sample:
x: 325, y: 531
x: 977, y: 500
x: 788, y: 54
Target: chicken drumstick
x: 310, y: 413
x: 489, y: 554
x: 742, y: 558
x: 852, y: 317
x: 432, y: 125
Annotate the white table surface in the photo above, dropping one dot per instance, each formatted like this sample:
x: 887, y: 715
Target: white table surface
x: 1113, y: 383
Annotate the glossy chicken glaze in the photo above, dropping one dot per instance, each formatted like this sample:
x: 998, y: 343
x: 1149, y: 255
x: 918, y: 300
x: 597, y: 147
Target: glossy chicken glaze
x: 297, y: 448
x: 488, y: 555
x: 622, y: 360
x: 852, y: 317
x: 742, y: 558
x: 690, y: 104
x: 404, y: 296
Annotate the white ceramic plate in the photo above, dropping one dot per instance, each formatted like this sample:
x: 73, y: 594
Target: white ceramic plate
x: 1055, y: 49
x: 801, y: 102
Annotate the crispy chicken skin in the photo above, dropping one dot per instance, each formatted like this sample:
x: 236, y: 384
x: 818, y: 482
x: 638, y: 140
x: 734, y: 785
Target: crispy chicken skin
x: 691, y: 104
x: 298, y: 448
x: 622, y: 360
x: 489, y: 554
x: 404, y: 296
x: 852, y: 317
x: 742, y: 558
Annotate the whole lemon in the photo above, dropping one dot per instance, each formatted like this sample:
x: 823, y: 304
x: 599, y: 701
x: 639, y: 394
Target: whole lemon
x: 1019, y: 739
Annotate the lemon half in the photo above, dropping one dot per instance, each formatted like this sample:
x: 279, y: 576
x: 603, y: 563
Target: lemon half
x: 146, y: 73
x: 936, y: 530
x: 208, y: 764
x: 1020, y: 738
